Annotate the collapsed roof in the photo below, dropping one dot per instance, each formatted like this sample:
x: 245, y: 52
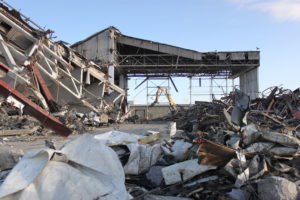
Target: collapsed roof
x: 50, y: 72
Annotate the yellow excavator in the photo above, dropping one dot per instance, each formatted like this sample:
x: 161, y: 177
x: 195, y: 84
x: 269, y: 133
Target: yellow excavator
x: 159, y: 91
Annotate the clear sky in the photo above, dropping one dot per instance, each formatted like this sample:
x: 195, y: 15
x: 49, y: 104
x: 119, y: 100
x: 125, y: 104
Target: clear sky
x: 203, y: 25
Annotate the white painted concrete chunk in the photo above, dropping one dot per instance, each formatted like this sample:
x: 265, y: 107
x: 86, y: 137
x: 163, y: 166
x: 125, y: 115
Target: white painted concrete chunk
x: 183, y: 171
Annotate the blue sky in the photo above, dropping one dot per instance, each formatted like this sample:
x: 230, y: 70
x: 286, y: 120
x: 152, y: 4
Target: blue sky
x: 203, y: 25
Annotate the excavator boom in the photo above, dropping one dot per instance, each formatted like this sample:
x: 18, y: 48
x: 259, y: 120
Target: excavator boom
x: 159, y: 91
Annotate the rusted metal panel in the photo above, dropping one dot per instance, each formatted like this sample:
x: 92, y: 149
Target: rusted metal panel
x: 34, y: 110
x: 4, y: 67
x: 213, y: 153
x: 42, y: 83
x: 296, y: 114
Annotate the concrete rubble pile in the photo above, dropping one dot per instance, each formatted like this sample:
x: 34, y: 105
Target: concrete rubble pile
x: 230, y: 149
x: 278, y: 106
x: 41, y: 77
x: 253, y: 149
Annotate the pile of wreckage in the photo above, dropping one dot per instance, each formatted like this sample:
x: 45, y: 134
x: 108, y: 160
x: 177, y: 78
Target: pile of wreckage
x: 47, y: 79
x: 237, y: 149
x: 231, y: 148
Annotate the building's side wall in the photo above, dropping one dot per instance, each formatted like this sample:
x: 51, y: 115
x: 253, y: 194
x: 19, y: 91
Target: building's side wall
x: 96, y: 48
x: 101, y: 48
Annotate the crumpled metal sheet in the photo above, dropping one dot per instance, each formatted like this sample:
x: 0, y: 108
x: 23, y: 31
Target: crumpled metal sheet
x: 213, y: 153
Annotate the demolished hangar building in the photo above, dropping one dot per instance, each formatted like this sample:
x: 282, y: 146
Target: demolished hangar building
x: 92, y: 75
x: 127, y: 56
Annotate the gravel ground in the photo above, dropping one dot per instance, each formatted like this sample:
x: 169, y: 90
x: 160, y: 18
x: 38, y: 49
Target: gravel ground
x: 27, y: 143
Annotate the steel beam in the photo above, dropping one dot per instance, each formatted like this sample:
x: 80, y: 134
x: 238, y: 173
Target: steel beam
x: 44, y: 88
x: 34, y: 110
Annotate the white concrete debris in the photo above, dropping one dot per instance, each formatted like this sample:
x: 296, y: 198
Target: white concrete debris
x: 183, y: 171
x: 250, y: 134
x: 12, y: 101
x: 141, y: 158
x: 172, y: 129
x: 178, y: 150
x: 114, y: 137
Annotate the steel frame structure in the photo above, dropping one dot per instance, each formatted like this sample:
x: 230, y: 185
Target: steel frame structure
x: 174, y: 65
x: 23, y: 46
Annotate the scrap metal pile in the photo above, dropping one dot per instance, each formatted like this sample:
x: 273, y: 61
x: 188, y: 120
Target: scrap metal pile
x: 278, y: 106
x: 40, y: 76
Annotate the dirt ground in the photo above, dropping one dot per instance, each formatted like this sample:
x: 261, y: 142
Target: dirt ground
x: 30, y: 142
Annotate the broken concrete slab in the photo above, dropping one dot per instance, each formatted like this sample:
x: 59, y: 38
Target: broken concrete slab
x: 141, y: 158
x: 238, y: 194
x: 179, y: 150
x: 283, y: 151
x: 277, y: 188
x: 250, y: 134
x: 154, y: 175
x: 115, y: 137
x: 9, y: 158
x: 280, y: 138
x: 234, y: 142
x: 257, y: 167
x: 183, y: 171
x: 259, y: 147
x: 159, y: 197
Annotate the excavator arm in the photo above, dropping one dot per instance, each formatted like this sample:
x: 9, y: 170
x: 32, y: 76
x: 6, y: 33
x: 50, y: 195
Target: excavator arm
x: 159, y: 91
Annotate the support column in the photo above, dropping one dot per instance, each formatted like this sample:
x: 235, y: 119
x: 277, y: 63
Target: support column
x: 211, y: 89
x: 111, y: 55
x: 123, y: 83
x: 111, y: 73
x: 190, y: 90
x: 249, y: 83
x: 147, y: 107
